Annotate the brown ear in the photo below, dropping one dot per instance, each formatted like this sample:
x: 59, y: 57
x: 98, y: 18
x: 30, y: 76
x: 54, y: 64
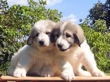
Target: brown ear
x: 79, y: 35
x: 31, y: 37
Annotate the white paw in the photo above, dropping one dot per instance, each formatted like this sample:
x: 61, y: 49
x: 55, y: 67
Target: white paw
x: 98, y: 73
x: 19, y: 73
x: 67, y: 76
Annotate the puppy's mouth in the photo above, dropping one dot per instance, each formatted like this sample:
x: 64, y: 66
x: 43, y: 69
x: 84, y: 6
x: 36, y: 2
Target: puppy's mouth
x: 43, y: 46
x: 63, y: 49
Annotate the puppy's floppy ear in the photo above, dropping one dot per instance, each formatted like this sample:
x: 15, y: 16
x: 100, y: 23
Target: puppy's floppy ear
x: 79, y: 35
x: 76, y: 40
x: 31, y: 36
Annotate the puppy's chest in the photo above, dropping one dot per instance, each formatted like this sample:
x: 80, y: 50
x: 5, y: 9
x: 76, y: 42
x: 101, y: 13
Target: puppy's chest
x: 73, y: 58
x: 46, y: 57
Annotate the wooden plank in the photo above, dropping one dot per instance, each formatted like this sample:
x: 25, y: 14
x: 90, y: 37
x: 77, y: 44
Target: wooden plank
x: 77, y: 78
x: 29, y: 78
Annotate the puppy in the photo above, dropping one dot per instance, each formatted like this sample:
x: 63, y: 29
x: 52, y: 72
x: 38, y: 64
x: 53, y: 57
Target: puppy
x: 35, y: 52
x: 71, y: 42
x: 39, y: 56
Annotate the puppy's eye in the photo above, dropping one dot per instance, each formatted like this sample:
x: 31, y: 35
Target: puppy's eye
x: 57, y: 35
x: 47, y: 33
x: 68, y: 35
x: 37, y: 34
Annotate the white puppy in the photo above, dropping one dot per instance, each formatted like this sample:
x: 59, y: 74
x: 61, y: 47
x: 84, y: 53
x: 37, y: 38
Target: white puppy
x: 71, y: 43
x: 35, y: 53
x: 39, y: 57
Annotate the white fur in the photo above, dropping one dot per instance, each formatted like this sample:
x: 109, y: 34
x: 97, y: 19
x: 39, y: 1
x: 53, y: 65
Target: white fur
x: 41, y: 27
x: 31, y: 59
x: 43, y: 37
x: 82, y: 56
x: 88, y: 60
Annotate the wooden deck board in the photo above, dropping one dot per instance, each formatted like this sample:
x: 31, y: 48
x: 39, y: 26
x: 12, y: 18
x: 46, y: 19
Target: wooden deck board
x: 76, y: 79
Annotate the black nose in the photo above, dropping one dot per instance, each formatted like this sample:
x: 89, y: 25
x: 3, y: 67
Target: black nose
x: 59, y: 45
x: 41, y: 43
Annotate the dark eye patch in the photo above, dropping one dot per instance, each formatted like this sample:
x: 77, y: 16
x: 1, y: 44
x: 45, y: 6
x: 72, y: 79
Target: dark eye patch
x: 68, y: 35
x: 37, y: 34
x: 54, y: 35
x: 57, y: 35
x: 48, y: 33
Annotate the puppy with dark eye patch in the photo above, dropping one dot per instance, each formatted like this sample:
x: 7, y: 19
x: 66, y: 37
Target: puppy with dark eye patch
x: 33, y: 58
x: 39, y: 56
x: 71, y: 43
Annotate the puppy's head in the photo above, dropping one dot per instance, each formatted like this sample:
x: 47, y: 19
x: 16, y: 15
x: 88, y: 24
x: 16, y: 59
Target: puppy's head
x: 68, y: 35
x: 40, y: 33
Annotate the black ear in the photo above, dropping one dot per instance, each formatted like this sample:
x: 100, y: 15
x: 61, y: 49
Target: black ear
x: 31, y: 37
x: 29, y: 40
x: 76, y: 39
x: 54, y: 35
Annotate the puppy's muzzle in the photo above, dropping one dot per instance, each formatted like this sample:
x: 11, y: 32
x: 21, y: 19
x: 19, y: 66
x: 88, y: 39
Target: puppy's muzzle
x: 61, y: 47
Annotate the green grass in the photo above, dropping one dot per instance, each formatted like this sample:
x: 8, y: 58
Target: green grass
x: 107, y: 74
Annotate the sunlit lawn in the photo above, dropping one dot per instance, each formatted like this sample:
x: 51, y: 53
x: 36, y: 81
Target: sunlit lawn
x: 107, y: 74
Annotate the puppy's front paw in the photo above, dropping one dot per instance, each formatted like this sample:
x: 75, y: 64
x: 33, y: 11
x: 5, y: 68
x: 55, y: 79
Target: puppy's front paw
x: 98, y: 73
x: 19, y: 73
x: 67, y: 76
